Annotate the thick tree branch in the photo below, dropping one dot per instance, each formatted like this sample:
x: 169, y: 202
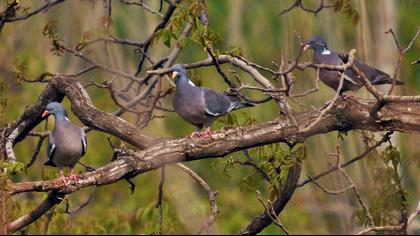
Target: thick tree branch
x: 265, y: 219
x: 345, y: 115
x: 53, y: 199
x: 82, y: 107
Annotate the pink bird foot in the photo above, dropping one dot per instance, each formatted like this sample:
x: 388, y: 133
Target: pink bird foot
x: 63, y: 179
x: 349, y: 95
x: 195, y: 134
x: 74, y: 177
x: 207, y: 133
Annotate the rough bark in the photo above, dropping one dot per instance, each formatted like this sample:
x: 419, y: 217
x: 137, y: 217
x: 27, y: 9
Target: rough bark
x: 264, y: 220
x: 344, y: 115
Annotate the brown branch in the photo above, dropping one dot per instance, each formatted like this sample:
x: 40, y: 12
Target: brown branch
x: 265, y: 219
x: 269, y: 208
x: 141, y: 4
x: 100, y: 66
x: 164, y: 21
x: 361, y: 156
x: 9, y: 13
x: 392, y: 228
x: 299, y: 4
x: 52, y: 199
x: 328, y: 191
x: 345, y: 115
x: 401, y: 52
x: 109, y: 39
x: 329, y: 107
x: 44, y: 8
x: 83, y: 205
x: 49, y: 216
x: 81, y: 106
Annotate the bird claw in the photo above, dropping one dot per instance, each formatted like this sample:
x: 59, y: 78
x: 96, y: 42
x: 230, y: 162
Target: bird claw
x: 63, y: 180
x: 206, y: 134
x: 74, y: 177
x: 195, y: 134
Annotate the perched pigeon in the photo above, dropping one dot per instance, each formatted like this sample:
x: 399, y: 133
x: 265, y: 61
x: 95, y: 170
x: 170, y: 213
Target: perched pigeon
x: 351, y: 81
x: 67, y: 142
x: 200, y: 106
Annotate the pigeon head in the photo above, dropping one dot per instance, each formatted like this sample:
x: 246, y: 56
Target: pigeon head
x: 317, y: 43
x: 179, y: 72
x: 55, y: 109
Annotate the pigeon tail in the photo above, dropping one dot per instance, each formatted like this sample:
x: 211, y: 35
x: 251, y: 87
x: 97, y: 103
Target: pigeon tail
x: 239, y: 105
x: 50, y: 163
x: 237, y: 102
x: 386, y: 79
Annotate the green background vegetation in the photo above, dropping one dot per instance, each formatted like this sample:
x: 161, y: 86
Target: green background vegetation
x: 262, y: 36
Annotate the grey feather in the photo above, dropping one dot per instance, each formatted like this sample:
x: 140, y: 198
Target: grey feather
x: 67, y: 142
x: 200, y: 106
x: 352, y: 82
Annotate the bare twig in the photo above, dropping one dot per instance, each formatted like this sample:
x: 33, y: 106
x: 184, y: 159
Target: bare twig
x: 165, y: 19
x: 392, y: 228
x: 49, y: 216
x: 44, y: 8
x: 53, y: 199
x: 141, y: 4
x: 337, y: 93
x: 83, y: 205
x: 299, y: 4
x: 384, y: 139
x: 328, y: 191
x: 269, y: 209
x: 401, y: 54
x: 212, y: 198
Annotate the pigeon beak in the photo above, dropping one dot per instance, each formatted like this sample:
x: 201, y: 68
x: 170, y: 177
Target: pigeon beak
x: 306, y: 47
x: 46, y: 113
x: 174, y: 74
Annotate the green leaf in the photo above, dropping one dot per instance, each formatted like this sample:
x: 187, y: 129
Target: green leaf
x: 166, y: 37
x: 14, y: 168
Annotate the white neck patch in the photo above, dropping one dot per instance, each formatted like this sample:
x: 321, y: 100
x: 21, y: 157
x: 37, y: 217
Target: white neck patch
x: 67, y: 119
x: 326, y: 52
x: 191, y: 83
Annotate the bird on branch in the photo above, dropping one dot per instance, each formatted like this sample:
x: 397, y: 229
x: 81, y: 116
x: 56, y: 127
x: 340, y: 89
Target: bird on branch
x: 201, y: 106
x: 67, y: 143
x: 352, y: 83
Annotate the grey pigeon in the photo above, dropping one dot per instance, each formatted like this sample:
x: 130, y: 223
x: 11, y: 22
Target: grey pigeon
x: 331, y: 78
x: 200, y: 106
x: 66, y: 143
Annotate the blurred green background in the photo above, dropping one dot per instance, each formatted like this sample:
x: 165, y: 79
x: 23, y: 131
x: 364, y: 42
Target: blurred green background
x: 262, y: 36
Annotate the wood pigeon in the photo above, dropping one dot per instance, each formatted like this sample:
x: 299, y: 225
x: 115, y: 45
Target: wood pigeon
x: 66, y: 143
x: 351, y: 81
x: 200, y: 106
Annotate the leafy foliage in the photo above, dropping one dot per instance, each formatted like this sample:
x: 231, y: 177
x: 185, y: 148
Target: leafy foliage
x: 50, y: 31
x: 389, y: 197
x: 259, y: 36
